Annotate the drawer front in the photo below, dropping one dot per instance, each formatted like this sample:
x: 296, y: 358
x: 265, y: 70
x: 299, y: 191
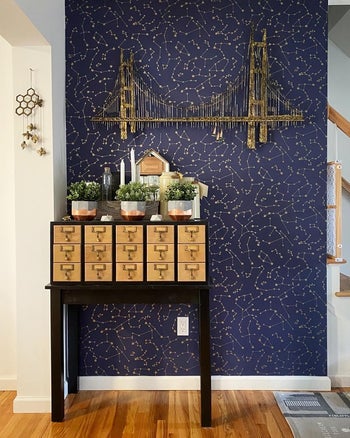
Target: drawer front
x: 129, y: 233
x: 66, y: 272
x: 192, y: 252
x: 160, y: 272
x: 66, y: 252
x: 191, y: 233
x: 129, y: 271
x: 160, y: 233
x: 130, y: 252
x: 67, y: 233
x: 191, y: 272
x: 98, y: 271
x: 98, y: 233
x: 98, y: 252
x: 160, y: 252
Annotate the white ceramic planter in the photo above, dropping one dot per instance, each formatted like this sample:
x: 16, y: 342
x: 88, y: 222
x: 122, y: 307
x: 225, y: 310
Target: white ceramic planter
x: 132, y: 210
x: 84, y: 210
x: 180, y: 210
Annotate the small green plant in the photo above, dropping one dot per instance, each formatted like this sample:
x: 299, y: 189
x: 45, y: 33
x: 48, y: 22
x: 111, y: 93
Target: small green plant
x: 180, y: 191
x: 84, y: 191
x: 134, y: 191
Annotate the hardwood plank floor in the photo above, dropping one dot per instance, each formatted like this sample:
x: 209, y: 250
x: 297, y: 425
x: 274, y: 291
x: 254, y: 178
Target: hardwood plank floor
x: 150, y: 414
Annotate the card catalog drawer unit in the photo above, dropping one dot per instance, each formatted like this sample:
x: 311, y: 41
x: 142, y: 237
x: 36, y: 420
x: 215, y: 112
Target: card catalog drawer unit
x: 160, y: 272
x: 137, y: 251
x: 129, y: 233
x: 192, y: 233
x: 98, y: 252
x: 66, y: 252
x: 129, y: 272
x: 160, y: 252
x: 98, y: 233
x: 67, y: 233
x: 160, y: 233
x: 191, y: 252
x: 66, y: 272
x: 98, y: 271
x: 129, y: 252
x: 191, y: 272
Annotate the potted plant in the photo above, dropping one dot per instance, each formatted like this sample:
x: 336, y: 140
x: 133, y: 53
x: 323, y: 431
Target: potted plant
x: 84, y: 196
x: 133, y: 197
x: 180, y: 196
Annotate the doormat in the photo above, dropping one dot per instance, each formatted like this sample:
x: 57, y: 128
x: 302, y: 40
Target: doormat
x: 316, y: 414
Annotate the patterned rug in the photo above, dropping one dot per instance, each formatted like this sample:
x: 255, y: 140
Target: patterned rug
x: 316, y: 414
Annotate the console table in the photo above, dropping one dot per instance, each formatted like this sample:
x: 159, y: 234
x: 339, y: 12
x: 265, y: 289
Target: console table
x: 74, y: 295
x: 115, y: 262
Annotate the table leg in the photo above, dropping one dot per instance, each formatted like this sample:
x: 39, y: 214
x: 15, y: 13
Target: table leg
x: 72, y: 352
x: 57, y: 357
x: 205, y: 368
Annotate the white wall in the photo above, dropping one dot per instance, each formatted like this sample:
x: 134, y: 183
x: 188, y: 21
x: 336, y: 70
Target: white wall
x: 35, y: 191
x: 7, y: 229
x: 339, y: 149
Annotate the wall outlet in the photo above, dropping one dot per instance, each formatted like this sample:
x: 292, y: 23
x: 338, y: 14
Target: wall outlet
x: 183, y: 326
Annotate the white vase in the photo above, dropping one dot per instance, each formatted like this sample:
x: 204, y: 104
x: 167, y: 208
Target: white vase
x: 180, y: 210
x: 84, y: 210
x: 132, y: 210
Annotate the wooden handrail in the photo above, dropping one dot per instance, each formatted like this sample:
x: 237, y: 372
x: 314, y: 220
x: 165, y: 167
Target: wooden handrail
x: 342, y: 123
x: 345, y: 184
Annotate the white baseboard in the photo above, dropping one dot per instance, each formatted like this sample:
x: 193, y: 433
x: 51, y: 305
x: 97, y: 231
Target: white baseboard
x: 340, y: 381
x: 24, y: 404
x: 29, y: 405
x: 272, y: 383
x: 8, y: 383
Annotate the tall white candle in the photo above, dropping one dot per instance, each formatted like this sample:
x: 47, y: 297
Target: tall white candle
x: 122, y: 173
x: 133, y: 165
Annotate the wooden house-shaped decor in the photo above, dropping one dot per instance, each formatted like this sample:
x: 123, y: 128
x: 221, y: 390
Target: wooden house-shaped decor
x: 150, y: 167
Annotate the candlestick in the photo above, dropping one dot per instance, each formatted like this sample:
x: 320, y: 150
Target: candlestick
x: 122, y: 173
x: 133, y: 165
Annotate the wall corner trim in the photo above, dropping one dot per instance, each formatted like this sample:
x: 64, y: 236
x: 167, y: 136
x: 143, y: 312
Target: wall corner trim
x: 8, y: 383
x: 29, y: 405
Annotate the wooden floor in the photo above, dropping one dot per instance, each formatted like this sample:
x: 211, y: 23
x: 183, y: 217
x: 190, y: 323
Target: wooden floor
x: 151, y: 414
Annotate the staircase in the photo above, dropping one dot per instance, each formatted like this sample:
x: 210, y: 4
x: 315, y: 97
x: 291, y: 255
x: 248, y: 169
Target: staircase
x: 344, y: 126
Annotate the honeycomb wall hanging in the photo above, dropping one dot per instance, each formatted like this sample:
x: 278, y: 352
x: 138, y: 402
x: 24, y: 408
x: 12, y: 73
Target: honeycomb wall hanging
x: 28, y: 104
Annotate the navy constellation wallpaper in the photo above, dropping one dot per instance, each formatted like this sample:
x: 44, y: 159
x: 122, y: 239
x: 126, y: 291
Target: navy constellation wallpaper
x: 266, y: 207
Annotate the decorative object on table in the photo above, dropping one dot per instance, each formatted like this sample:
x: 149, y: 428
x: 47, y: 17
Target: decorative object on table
x: 107, y: 185
x: 150, y: 167
x: 84, y: 196
x: 27, y: 108
x: 179, y: 197
x: 252, y: 99
x: 166, y: 179
x: 133, y: 197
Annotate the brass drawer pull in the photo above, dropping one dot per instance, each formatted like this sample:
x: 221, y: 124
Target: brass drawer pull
x: 130, y: 267
x: 68, y: 231
x: 67, y: 249
x: 192, y: 267
x: 161, y: 231
x: 192, y: 249
x: 131, y: 230
x: 67, y: 268
x: 99, y: 269
x: 161, y: 268
x: 130, y: 249
x: 192, y: 230
x: 98, y: 249
x: 98, y: 231
x: 161, y: 249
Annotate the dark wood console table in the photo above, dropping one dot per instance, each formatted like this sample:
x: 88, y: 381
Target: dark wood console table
x: 77, y: 294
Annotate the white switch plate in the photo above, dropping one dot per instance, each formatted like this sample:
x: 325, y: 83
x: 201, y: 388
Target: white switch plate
x: 182, y: 326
